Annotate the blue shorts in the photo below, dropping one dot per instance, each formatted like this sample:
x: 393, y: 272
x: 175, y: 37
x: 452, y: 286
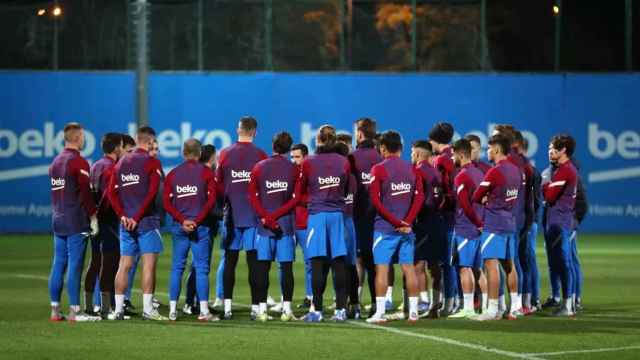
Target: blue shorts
x: 282, y: 249
x: 239, y: 238
x: 108, y: 238
x: 393, y: 246
x: 466, y: 252
x: 497, y: 246
x: 350, y: 239
x: 134, y: 243
x: 325, y: 235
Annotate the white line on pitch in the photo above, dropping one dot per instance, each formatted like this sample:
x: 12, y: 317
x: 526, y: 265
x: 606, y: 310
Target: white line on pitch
x: 636, y: 347
x: 449, y: 341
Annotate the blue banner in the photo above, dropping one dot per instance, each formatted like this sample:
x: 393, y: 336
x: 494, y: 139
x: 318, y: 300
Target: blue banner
x: 601, y: 111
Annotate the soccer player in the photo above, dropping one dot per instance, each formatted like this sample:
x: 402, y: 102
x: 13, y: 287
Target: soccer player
x: 128, y: 146
x: 74, y: 219
x: 362, y: 160
x: 132, y: 192
x: 560, y: 195
x: 397, y: 195
x: 299, y: 153
x: 240, y: 220
x: 352, y: 280
x: 476, y: 150
x: 499, y: 192
x: 105, y: 253
x: 212, y: 221
x: 188, y: 196
x: 440, y: 137
x: 429, y: 227
x: 324, y: 177
x: 271, y: 191
x: 466, y: 239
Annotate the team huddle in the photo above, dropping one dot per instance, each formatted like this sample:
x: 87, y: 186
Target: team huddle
x: 460, y: 229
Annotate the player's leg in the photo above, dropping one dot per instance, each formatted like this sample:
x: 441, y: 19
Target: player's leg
x: 533, y: 264
x: 252, y: 274
x: 554, y: 274
x: 525, y: 280
x: 577, y: 270
x: 465, y: 251
x: 406, y: 250
x: 450, y: 277
x: 364, y: 235
x: 232, y: 244
x: 513, y: 277
x: 493, y: 248
x: 150, y: 248
x: 180, y: 251
x: 382, y: 278
x: 220, y: 278
x: 384, y: 247
x: 56, y: 278
x: 201, y: 253
x: 76, y: 248
x: 481, y: 281
x: 91, y: 276
x: 190, y: 292
x: 562, y: 252
x: 287, y: 290
x: 132, y: 279
x: 110, y: 250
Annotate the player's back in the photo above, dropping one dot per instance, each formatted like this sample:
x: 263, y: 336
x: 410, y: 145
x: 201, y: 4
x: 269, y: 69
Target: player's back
x: 362, y: 160
x: 506, y: 183
x: 351, y: 193
x: 100, y: 175
x: 327, y: 176
x: 470, y: 176
x: 189, y: 188
x: 432, y: 191
x: 234, y: 174
x: 446, y: 166
x: 277, y: 177
x: 525, y: 169
x: 69, y: 216
x: 396, y: 191
x: 133, y: 181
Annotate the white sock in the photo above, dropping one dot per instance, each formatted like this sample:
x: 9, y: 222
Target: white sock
x: 502, y: 303
x: 119, y: 303
x: 389, y: 295
x: 255, y: 308
x: 556, y: 299
x: 310, y: 297
x: 55, y: 304
x: 262, y: 308
x: 75, y: 308
x: 173, y: 306
x: 449, y: 303
x: 380, y: 308
x: 526, y: 300
x: 468, y: 301
x: 359, y: 292
x: 516, y: 302
x: 485, y: 301
x: 493, y: 306
x: 147, y: 303
x: 227, y: 305
x: 424, y: 296
x: 567, y: 304
x: 413, y: 304
x: 286, y: 307
x: 204, y: 307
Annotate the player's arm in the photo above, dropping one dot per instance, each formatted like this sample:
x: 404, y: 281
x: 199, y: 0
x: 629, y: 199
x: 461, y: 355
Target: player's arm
x: 463, y: 185
x: 418, y: 199
x: 529, y: 209
x: 491, y: 179
x: 379, y: 174
x: 559, y: 181
x: 219, y: 176
x: 80, y: 170
x: 254, y: 194
x: 114, y: 199
x: 152, y: 168
x: 210, y: 180
x: 167, y: 194
x: 295, y: 198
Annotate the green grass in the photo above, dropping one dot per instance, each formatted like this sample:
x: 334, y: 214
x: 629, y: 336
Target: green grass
x: 611, y: 319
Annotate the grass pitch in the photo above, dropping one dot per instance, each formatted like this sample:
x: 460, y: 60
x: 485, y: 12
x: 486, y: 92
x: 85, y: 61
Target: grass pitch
x: 609, y: 327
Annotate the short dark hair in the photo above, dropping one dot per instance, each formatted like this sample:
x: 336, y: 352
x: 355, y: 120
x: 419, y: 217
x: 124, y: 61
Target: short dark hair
x: 462, y: 146
x: 127, y: 140
x: 391, y: 140
x: 342, y: 149
x: 502, y: 141
x: 424, y: 145
x: 367, y: 126
x: 564, y: 141
x: 192, y: 147
x: 207, y: 152
x: 506, y: 130
x: 146, y: 130
x: 344, y: 138
x: 441, y: 133
x: 248, y: 123
x: 302, y: 147
x: 327, y: 135
x: 282, y: 142
x: 473, y: 138
x: 517, y: 137
x: 70, y: 130
x: 110, y: 141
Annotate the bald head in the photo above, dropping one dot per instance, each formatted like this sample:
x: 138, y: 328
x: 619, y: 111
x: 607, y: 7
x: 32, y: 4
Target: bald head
x: 192, y: 149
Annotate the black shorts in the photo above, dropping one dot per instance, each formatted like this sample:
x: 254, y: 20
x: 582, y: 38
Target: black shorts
x: 431, y: 240
x: 364, y: 236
